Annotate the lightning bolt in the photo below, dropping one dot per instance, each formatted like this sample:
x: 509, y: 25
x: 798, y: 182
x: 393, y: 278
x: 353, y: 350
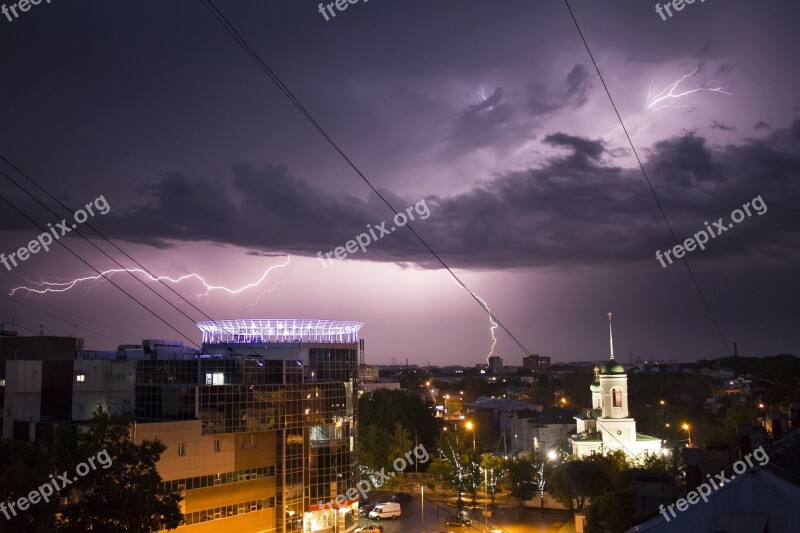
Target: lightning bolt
x: 281, y: 282
x: 45, y: 287
x: 489, y: 311
x: 655, y: 97
x: 482, y: 94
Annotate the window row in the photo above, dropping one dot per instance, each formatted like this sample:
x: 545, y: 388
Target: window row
x: 228, y: 511
x: 201, y: 482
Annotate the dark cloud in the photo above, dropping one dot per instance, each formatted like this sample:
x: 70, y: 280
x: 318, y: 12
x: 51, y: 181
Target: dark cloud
x: 720, y: 126
x: 573, y: 210
x: 761, y: 125
x: 573, y: 94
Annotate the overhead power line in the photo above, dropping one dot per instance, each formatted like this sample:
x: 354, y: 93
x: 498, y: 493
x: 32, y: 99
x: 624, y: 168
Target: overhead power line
x: 649, y: 183
x: 81, y: 259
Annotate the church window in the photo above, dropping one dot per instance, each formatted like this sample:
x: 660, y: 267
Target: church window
x: 617, y: 398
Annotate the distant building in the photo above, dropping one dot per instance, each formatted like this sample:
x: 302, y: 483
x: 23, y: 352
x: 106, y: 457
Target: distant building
x: 378, y: 385
x: 543, y: 431
x: 536, y: 362
x: 492, y: 410
x: 496, y: 364
x: 368, y: 373
x: 608, y: 425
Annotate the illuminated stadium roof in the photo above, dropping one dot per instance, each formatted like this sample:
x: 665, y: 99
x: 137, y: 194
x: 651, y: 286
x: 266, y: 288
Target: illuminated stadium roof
x: 280, y: 330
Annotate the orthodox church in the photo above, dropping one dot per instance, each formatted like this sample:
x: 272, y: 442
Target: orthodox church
x: 608, y: 426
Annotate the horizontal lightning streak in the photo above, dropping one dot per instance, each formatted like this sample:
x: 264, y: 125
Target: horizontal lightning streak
x: 45, y: 287
x: 654, y: 98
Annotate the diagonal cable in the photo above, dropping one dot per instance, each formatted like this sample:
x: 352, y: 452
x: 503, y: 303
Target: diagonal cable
x: 649, y: 183
x: 242, y: 42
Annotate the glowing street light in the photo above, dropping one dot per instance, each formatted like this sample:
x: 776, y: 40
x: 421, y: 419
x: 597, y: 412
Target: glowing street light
x: 471, y: 427
x: 552, y: 455
x: 686, y: 427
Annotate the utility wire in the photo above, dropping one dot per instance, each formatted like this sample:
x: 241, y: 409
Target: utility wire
x: 107, y: 277
x: 102, y: 236
x: 70, y: 322
x: 242, y: 42
x: 649, y: 183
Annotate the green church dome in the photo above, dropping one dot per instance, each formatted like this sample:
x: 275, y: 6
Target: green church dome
x: 612, y: 367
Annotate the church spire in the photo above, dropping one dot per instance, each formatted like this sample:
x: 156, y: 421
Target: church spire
x: 610, y: 336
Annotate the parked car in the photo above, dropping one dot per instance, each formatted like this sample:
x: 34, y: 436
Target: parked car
x: 364, y: 510
x: 402, y: 497
x: 385, y: 510
x: 460, y: 521
x: 370, y: 528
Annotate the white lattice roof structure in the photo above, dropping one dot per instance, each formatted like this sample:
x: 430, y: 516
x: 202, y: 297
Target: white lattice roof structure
x: 312, y: 330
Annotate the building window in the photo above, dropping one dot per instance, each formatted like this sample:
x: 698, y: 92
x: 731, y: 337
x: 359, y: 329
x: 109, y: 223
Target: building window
x: 2, y: 382
x: 617, y: 398
x: 181, y: 448
x: 241, y: 441
x: 217, y: 445
x: 80, y: 377
x: 215, y: 378
x: 253, y: 441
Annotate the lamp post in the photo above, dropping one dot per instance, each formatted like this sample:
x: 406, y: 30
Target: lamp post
x: 688, y: 429
x: 422, y: 507
x: 471, y: 427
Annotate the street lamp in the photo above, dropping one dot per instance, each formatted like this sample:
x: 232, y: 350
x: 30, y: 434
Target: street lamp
x: 422, y: 507
x: 688, y: 429
x: 471, y: 427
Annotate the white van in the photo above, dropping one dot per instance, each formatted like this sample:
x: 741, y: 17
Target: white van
x: 385, y: 510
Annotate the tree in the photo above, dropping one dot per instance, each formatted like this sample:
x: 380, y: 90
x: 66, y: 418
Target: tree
x: 126, y: 493
x: 472, y: 476
x: 576, y: 481
x: 119, y: 490
x: 522, y: 478
x: 612, y: 512
x: 614, y: 464
x: 384, y: 408
x: 495, y: 468
x: 454, y: 452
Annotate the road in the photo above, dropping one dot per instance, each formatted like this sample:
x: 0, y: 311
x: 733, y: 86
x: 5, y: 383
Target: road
x: 507, y: 520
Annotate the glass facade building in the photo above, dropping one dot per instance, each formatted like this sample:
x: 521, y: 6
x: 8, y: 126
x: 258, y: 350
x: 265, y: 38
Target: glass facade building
x: 295, y: 386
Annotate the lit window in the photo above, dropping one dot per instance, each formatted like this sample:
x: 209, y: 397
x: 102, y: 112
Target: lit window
x: 80, y: 377
x: 241, y: 441
x: 181, y: 448
x: 2, y: 382
x: 217, y: 445
x: 617, y: 398
x: 253, y: 441
x: 215, y: 378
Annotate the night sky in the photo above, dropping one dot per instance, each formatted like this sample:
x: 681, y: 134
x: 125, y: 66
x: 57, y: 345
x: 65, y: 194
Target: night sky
x: 490, y: 114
